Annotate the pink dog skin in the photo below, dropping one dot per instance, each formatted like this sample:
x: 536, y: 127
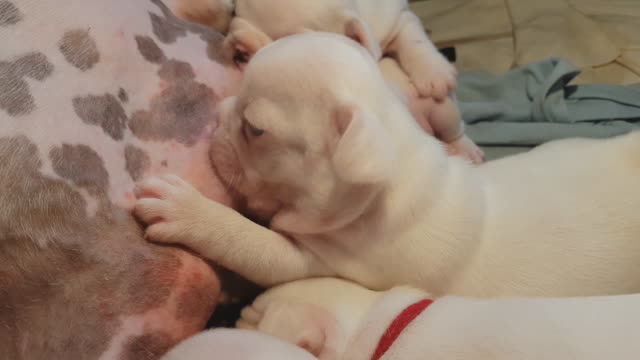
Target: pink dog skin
x: 94, y: 96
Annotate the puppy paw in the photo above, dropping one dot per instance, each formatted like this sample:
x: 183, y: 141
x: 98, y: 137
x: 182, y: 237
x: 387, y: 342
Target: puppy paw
x: 172, y: 208
x: 465, y: 147
x: 436, y: 78
x: 250, y: 318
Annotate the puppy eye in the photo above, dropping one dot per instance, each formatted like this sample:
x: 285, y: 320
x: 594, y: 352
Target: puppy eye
x: 253, y: 130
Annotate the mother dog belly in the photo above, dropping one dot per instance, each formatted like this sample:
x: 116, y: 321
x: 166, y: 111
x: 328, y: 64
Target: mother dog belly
x: 93, y: 96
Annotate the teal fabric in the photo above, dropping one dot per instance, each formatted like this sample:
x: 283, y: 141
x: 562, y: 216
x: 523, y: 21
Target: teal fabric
x: 535, y: 103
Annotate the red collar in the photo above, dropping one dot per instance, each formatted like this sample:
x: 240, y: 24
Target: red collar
x: 399, y: 324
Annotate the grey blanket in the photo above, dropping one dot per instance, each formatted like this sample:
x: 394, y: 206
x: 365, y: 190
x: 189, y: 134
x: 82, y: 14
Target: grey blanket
x: 535, y: 103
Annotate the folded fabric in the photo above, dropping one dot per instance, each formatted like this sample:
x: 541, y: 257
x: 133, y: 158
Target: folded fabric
x: 535, y: 103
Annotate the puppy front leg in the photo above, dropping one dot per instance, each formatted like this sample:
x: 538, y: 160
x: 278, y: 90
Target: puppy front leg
x: 177, y: 213
x: 255, y: 252
x: 429, y: 71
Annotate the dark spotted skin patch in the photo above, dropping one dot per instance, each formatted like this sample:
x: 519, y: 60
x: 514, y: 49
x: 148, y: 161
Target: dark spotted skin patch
x: 19, y: 176
x: 164, y: 163
x: 168, y: 28
x: 81, y: 165
x: 67, y: 278
x: 79, y: 49
x: 9, y: 13
x: 137, y: 161
x: 176, y: 71
x: 165, y: 30
x: 35, y: 275
x: 34, y: 65
x: 15, y: 94
x: 149, y: 50
x: 161, y: 278
x: 147, y: 346
x: 104, y: 111
x: 122, y: 95
x: 183, y: 109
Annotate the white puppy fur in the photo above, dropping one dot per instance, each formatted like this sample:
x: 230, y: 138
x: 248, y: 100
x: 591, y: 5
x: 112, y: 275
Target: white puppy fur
x: 235, y: 344
x: 320, y: 146
x: 384, y: 28
x: 339, y: 320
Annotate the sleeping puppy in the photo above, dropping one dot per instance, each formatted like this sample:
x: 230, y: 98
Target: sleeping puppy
x: 387, y: 27
x: 384, y: 28
x: 338, y: 320
x: 235, y: 344
x: 327, y: 155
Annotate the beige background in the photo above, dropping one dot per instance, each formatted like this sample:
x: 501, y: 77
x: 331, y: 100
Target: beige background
x: 600, y: 36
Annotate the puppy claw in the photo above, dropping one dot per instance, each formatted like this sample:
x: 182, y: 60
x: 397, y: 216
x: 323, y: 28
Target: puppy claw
x: 149, y: 210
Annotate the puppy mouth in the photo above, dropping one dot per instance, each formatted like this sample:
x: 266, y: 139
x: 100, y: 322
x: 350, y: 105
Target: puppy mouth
x: 241, y: 201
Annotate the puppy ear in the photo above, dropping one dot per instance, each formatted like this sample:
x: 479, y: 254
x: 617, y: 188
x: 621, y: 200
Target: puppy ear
x: 361, y: 33
x: 361, y: 154
x: 243, y: 41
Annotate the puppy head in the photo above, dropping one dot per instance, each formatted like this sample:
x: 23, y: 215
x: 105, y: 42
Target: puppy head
x: 320, y: 315
x: 259, y: 21
x: 235, y: 344
x: 306, y: 137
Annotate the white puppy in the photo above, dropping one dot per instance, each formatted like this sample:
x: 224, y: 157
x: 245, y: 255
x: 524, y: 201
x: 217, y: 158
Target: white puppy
x: 234, y: 344
x: 338, y: 320
x: 321, y: 147
x: 385, y: 28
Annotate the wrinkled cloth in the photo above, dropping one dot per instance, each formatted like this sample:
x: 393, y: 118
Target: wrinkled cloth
x: 536, y: 103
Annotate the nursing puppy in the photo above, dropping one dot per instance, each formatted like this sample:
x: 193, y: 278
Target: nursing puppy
x: 384, y: 28
x: 234, y: 344
x: 338, y: 320
x: 322, y: 150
